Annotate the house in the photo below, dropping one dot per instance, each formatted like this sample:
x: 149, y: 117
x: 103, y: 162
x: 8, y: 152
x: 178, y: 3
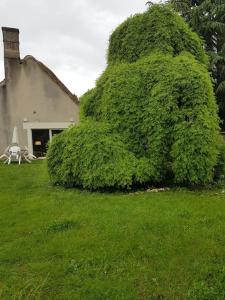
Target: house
x: 33, y: 99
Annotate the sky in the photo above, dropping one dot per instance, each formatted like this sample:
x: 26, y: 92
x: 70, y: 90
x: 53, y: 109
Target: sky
x: 69, y: 36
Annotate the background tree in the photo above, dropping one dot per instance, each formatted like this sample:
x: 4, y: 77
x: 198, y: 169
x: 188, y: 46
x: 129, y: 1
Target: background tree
x: 207, y: 18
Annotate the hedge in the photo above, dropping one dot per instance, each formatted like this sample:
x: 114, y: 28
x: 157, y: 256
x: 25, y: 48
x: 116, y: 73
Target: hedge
x: 164, y: 108
x: 94, y: 157
x: 152, y: 115
x: 158, y: 29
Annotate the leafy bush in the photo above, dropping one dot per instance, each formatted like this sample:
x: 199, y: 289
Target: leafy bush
x: 159, y: 28
x: 164, y: 109
x: 55, y: 158
x: 154, y: 111
x: 94, y: 157
x: 219, y: 175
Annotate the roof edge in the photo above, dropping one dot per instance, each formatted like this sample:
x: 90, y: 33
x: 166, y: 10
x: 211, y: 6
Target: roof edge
x: 53, y: 77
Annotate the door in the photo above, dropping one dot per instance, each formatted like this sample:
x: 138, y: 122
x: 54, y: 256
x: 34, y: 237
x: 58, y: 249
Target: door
x: 40, y: 138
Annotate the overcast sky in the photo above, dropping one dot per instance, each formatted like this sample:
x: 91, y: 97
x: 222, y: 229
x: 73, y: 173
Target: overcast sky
x: 69, y: 36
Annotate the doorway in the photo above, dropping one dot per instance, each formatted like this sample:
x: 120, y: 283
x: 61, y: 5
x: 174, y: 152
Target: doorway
x: 39, y: 134
x: 40, y: 138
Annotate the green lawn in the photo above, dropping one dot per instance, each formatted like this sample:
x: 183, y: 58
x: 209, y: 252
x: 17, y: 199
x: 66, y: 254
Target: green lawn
x: 72, y: 244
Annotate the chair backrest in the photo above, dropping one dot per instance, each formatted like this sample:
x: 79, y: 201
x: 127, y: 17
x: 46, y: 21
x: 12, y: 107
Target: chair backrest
x: 14, y: 149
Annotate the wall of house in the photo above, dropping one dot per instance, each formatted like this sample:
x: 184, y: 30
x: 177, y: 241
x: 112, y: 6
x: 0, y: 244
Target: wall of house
x: 5, y: 119
x: 31, y: 95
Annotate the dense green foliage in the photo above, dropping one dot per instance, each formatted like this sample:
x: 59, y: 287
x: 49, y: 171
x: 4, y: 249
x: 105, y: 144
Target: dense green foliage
x: 156, y: 29
x: 207, y: 18
x: 168, y: 119
x: 219, y: 174
x: 93, y: 157
x: 157, y: 95
x: 55, y: 158
x: 59, y: 244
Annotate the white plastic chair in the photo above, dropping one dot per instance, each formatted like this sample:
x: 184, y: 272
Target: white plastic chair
x: 14, y: 153
x: 5, y: 155
x: 26, y: 155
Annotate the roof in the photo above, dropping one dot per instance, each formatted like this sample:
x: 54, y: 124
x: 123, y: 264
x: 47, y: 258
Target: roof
x: 3, y: 82
x: 52, y: 76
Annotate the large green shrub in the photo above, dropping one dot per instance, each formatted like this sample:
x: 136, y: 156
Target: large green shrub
x: 55, y: 158
x: 164, y: 109
x: 157, y: 98
x: 94, y: 157
x: 219, y: 174
x: 158, y: 29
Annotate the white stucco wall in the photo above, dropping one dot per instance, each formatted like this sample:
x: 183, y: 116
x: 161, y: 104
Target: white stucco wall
x: 32, y: 95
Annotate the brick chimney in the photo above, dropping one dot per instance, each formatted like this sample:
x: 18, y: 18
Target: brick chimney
x: 11, y: 50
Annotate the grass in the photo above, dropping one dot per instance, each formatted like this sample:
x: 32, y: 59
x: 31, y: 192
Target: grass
x: 72, y: 244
